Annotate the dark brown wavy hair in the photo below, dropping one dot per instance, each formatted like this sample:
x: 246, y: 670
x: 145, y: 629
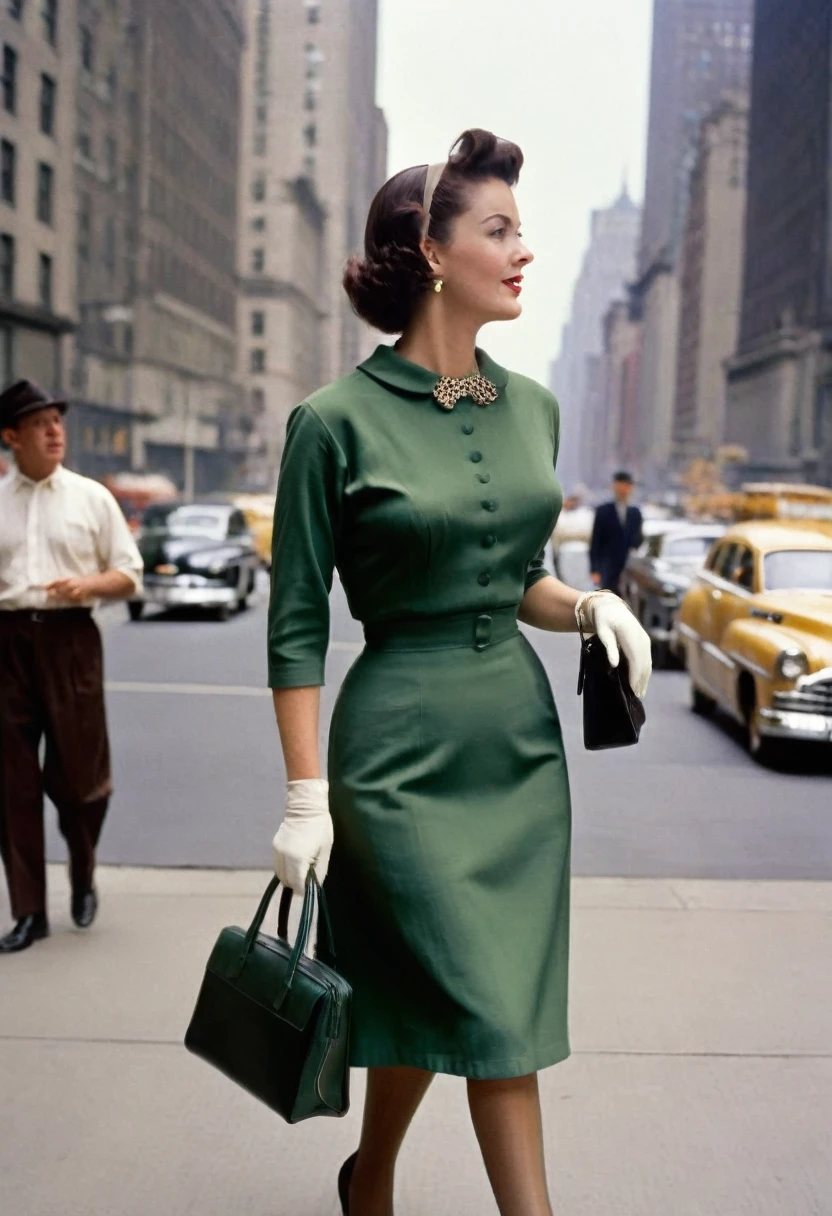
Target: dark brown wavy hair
x: 387, y: 284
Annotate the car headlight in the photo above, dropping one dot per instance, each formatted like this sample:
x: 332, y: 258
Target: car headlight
x: 791, y: 664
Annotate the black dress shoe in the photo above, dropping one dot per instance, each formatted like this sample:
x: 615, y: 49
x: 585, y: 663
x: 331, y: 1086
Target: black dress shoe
x: 28, y: 929
x: 344, y: 1179
x: 84, y: 907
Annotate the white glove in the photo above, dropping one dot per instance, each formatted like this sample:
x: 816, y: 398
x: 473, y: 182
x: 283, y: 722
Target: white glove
x: 605, y: 613
x: 304, y: 838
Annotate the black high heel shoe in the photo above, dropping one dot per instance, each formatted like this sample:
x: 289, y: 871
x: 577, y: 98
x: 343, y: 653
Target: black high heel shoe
x: 344, y: 1179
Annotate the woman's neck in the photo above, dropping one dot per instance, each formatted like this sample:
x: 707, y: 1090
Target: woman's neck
x: 441, y: 343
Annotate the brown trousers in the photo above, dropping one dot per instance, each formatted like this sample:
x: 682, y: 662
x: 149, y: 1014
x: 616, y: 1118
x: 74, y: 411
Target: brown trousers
x: 52, y: 687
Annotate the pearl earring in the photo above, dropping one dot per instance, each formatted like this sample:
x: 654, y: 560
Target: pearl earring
x: 437, y: 286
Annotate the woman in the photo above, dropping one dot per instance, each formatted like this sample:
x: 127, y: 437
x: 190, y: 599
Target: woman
x: 427, y: 477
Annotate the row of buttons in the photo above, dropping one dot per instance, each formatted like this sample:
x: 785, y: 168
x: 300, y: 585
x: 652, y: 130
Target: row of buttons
x: 488, y: 504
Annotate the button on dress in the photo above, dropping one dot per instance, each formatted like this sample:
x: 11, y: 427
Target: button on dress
x: 449, y: 876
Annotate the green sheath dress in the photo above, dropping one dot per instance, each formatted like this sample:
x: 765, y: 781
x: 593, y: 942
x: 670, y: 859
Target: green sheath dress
x: 449, y: 877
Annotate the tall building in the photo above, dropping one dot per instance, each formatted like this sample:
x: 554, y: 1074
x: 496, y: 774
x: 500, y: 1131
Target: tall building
x: 608, y: 264
x: 615, y: 446
x: 780, y: 381
x: 314, y: 151
x: 710, y: 280
x: 156, y: 170
x: 37, y: 214
x: 701, y: 50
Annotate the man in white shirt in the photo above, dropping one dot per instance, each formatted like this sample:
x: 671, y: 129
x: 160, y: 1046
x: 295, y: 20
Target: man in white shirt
x: 64, y: 545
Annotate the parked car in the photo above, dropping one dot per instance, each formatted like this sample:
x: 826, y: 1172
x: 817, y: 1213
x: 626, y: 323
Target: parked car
x: 198, y: 555
x: 658, y: 574
x: 757, y: 630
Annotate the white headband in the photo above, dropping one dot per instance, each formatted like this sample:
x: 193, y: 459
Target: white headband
x: 431, y: 182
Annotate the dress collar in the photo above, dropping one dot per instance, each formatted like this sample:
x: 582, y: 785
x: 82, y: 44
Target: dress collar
x: 388, y: 367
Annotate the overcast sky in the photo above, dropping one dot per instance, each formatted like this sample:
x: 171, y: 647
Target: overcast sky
x: 567, y: 81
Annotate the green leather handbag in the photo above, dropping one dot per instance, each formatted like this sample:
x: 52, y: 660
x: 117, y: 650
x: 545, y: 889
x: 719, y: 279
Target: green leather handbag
x: 274, y: 1019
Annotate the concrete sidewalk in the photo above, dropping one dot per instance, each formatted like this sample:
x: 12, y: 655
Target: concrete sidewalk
x: 700, y: 1082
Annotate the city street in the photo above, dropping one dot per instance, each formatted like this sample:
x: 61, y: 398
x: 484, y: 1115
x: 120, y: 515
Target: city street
x: 700, y: 1080
x: 199, y: 777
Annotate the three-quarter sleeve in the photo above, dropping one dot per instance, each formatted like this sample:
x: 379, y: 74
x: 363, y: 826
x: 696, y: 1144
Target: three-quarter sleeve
x: 536, y: 568
x: 306, y: 523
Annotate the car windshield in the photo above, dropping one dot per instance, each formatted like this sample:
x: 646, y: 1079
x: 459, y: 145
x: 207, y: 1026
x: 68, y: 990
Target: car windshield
x: 798, y: 570
x: 687, y: 548
x: 185, y: 521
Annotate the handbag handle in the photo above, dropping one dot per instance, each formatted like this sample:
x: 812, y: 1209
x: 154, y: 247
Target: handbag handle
x: 311, y: 892
x: 324, y: 935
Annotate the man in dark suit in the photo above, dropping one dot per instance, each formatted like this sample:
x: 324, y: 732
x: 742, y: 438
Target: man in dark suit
x: 616, y: 530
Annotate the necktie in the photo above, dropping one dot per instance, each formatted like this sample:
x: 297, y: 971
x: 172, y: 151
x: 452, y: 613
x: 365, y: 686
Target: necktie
x: 449, y: 389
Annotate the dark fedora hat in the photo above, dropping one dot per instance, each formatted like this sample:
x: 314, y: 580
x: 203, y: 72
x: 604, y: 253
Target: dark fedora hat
x: 24, y: 398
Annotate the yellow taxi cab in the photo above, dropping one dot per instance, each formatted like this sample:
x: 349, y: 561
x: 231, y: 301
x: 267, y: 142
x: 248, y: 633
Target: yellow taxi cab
x: 756, y: 632
x: 259, y: 512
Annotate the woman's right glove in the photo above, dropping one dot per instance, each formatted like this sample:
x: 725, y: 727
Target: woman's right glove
x: 304, y: 838
x: 606, y: 614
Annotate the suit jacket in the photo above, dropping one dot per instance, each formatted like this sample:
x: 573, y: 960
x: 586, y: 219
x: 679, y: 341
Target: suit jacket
x: 611, y: 543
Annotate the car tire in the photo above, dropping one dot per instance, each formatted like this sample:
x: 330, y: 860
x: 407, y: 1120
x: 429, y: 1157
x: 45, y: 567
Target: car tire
x: 766, y: 751
x: 661, y: 655
x: 223, y: 613
x: 135, y: 608
x: 242, y: 602
x: 700, y: 702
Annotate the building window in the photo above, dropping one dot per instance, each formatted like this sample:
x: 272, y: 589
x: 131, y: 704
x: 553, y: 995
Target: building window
x: 258, y: 260
x: 6, y: 264
x: 259, y: 144
x: 310, y: 134
x: 258, y: 224
x: 84, y: 227
x: 261, y: 113
x: 8, y: 159
x: 111, y: 157
x: 46, y: 178
x: 87, y: 48
x: 310, y: 100
x: 45, y: 280
x: 16, y: 9
x: 258, y: 323
x: 9, y: 78
x: 109, y: 254
x: 258, y: 401
x: 257, y: 360
x: 47, y: 104
x: 112, y: 83
x: 49, y: 17
x: 313, y: 12
x: 258, y: 189
x: 85, y: 143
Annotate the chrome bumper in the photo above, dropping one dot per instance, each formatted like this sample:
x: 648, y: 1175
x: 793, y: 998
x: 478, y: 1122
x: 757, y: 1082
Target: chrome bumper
x: 789, y: 724
x: 188, y: 590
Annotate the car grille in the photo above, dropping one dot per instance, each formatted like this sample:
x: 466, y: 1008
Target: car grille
x: 816, y: 699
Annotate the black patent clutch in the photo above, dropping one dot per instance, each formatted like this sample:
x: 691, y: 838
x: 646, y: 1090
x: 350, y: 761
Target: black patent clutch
x: 613, y: 714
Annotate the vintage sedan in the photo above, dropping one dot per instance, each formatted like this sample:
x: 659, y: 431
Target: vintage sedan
x: 757, y: 630
x: 658, y: 574
x: 197, y: 555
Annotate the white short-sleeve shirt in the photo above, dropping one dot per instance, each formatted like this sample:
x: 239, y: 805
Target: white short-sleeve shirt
x: 65, y: 526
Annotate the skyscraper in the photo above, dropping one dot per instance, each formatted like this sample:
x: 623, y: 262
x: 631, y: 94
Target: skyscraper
x: 608, y: 264
x: 701, y: 50
x: 314, y: 153
x: 158, y: 94
x: 37, y: 134
x: 780, y: 382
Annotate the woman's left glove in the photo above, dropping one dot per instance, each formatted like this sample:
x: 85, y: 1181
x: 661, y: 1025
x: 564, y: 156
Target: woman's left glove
x: 605, y: 613
x: 304, y: 838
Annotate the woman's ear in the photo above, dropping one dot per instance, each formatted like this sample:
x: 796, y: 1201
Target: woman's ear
x: 430, y: 252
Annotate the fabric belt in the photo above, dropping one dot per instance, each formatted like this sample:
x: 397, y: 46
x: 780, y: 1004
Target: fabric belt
x: 474, y: 629
x: 43, y: 616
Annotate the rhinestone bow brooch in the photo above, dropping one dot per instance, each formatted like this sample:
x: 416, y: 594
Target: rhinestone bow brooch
x: 449, y: 389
